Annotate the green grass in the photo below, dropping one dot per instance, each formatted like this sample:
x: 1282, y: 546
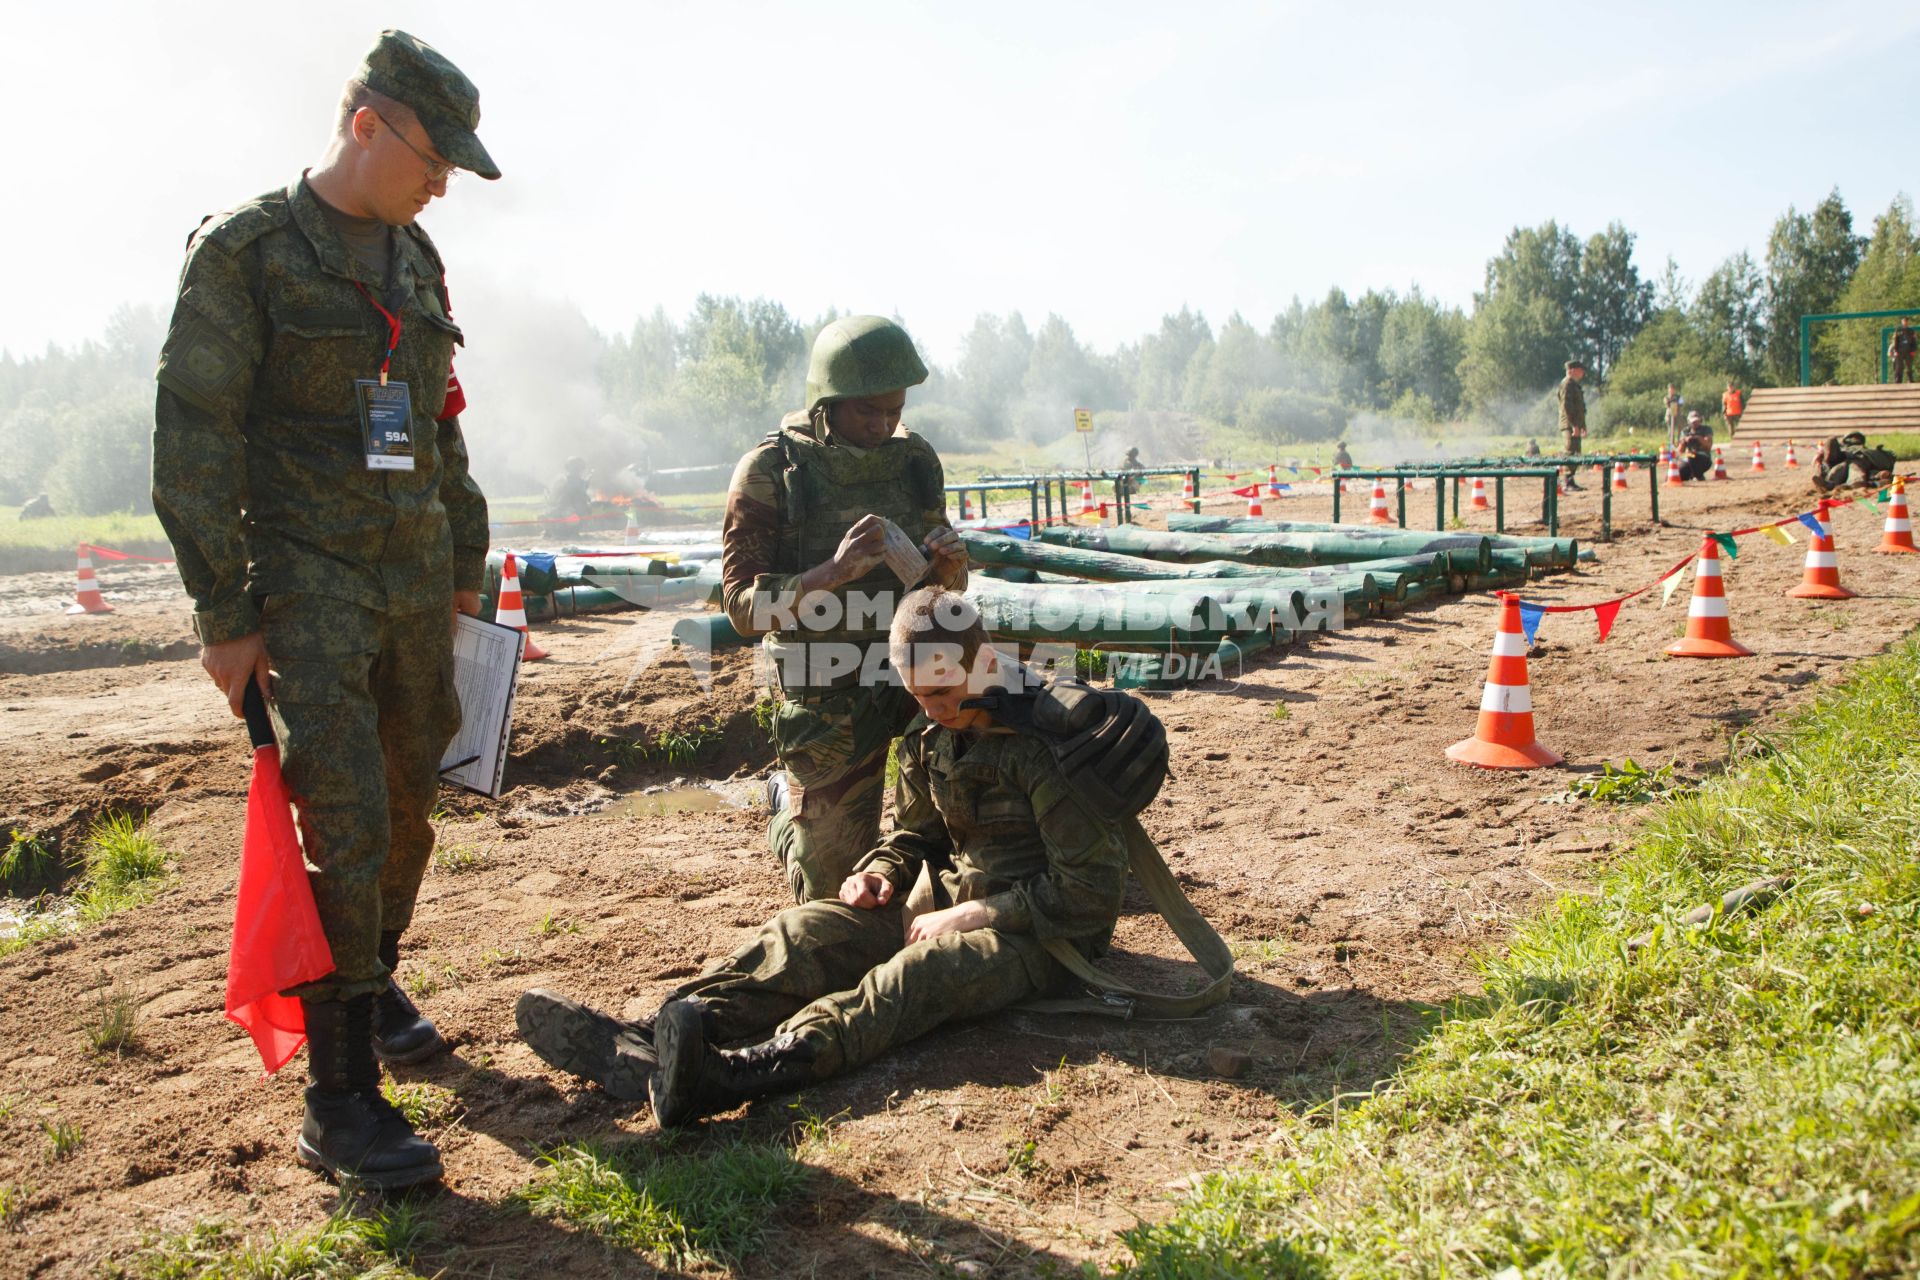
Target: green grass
x: 1738, y: 1099
x: 68, y: 532
x: 124, y: 865
x: 116, y: 1017
x: 27, y: 865
x: 711, y: 1205
x: 378, y: 1246
x: 1630, y: 783
x: 1905, y: 444
x: 551, y: 925
x: 63, y: 1138
x: 679, y: 748
x: 426, y: 1106
x: 13, y: 1204
x: 455, y: 858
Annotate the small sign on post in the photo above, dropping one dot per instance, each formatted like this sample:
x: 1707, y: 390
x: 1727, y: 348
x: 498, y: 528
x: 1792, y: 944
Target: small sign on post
x: 1083, y: 423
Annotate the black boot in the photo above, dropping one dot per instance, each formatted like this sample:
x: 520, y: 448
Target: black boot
x: 401, y: 1033
x: 618, y: 1056
x: 350, y: 1130
x: 694, y: 1079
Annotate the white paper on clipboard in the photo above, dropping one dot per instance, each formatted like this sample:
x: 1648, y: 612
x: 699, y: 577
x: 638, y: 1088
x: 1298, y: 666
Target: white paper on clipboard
x: 486, y: 671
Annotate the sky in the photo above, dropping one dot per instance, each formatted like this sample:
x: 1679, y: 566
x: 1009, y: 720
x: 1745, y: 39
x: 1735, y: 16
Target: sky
x: 1107, y: 161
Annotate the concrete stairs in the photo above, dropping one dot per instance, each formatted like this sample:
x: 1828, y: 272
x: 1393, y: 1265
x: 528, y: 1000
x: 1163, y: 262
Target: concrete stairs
x: 1807, y: 415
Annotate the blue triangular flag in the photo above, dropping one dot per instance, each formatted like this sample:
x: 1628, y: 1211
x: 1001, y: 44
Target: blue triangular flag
x: 1024, y: 532
x: 1530, y: 615
x: 1284, y: 488
x: 1810, y: 520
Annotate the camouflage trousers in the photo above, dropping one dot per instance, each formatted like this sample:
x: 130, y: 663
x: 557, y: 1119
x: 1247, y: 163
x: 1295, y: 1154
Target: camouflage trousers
x: 847, y: 981
x: 835, y: 753
x: 364, y: 706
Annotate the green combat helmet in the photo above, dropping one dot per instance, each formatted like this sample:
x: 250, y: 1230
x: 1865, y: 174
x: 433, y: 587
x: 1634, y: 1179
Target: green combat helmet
x: 861, y: 356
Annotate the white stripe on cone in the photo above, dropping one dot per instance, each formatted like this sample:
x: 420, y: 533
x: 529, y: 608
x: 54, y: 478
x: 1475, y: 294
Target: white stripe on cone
x: 1707, y: 607
x: 1510, y: 698
x: 1509, y: 644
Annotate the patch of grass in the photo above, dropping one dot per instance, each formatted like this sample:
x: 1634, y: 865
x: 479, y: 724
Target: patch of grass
x: 1090, y: 664
x: 1023, y: 1157
x: 13, y: 1205
x: 63, y: 1138
x: 1737, y: 1099
x: 455, y: 858
x: 550, y: 925
x: 426, y: 1106
x: 679, y: 748
x: 1262, y: 951
x: 1280, y: 713
x: 64, y: 533
x: 27, y: 865
x: 116, y: 1017
x: 1629, y: 784
x: 711, y: 1205
x: 764, y: 711
x: 378, y: 1246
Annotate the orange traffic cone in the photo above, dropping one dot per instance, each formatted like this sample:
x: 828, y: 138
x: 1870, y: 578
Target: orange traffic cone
x: 86, y: 591
x: 632, y: 534
x: 1253, y: 502
x: 1504, y: 738
x: 1087, y: 506
x: 1709, y: 634
x: 1821, y: 580
x: 1898, y: 535
x: 1790, y: 458
x: 1720, y: 464
x: 1186, y: 491
x: 1619, y: 474
x: 1273, y: 478
x: 511, y: 610
x: 1673, y: 469
x: 1377, y: 509
x: 1759, y: 462
x: 1479, y: 501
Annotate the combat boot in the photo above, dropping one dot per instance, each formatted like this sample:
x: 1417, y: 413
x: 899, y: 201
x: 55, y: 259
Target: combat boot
x: 350, y: 1130
x: 618, y: 1056
x: 401, y: 1033
x: 694, y: 1079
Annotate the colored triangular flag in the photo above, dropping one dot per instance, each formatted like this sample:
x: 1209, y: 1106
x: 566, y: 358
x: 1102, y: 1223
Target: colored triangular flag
x: 1881, y: 496
x: 1810, y: 520
x: 1284, y: 487
x: 1667, y: 588
x: 1024, y: 532
x: 1779, y: 535
x: 1604, y: 614
x: 1247, y: 492
x: 1530, y: 615
x: 1727, y: 544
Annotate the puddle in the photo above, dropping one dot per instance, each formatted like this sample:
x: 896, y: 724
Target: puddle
x: 658, y: 802
x: 45, y: 916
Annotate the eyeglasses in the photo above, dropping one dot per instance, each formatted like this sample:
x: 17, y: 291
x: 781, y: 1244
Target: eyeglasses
x: 436, y: 170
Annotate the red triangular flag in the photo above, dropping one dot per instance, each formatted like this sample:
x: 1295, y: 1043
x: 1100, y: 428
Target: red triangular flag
x: 1604, y: 614
x: 1247, y: 492
x: 277, y: 939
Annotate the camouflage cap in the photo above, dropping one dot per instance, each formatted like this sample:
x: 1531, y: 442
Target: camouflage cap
x: 1576, y: 363
x: 408, y: 69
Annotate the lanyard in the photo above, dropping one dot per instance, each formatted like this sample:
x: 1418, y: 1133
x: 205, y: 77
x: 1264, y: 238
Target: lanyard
x: 393, y: 330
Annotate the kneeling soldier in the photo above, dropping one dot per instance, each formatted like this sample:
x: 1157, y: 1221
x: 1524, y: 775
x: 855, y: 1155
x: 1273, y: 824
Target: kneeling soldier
x: 1028, y: 845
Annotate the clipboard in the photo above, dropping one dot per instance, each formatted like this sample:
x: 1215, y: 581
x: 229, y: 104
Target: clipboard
x: 486, y: 674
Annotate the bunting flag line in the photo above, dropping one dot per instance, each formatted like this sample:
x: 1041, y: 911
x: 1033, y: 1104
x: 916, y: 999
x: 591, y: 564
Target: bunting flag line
x: 108, y: 553
x: 1779, y: 535
x: 1667, y: 589
x: 1530, y: 615
x: 1604, y: 614
x: 1727, y: 544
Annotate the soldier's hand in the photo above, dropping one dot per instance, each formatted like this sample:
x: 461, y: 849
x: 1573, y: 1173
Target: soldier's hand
x: 866, y: 890
x: 862, y: 548
x: 467, y: 602
x: 232, y: 663
x: 962, y: 917
x: 948, y: 553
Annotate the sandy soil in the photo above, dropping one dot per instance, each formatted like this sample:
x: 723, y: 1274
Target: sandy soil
x: 1311, y: 817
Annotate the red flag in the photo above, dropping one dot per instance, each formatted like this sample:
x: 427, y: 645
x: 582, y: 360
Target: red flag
x: 1604, y: 614
x: 1247, y: 492
x: 277, y: 939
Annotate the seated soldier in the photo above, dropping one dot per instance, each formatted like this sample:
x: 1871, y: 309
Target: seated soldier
x: 1849, y: 460
x: 1027, y: 860
x: 1696, y: 448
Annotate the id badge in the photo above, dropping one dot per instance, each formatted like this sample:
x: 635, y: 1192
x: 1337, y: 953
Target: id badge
x: 386, y: 423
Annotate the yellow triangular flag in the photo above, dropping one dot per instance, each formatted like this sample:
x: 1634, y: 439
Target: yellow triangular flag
x: 1670, y: 586
x: 1779, y: 535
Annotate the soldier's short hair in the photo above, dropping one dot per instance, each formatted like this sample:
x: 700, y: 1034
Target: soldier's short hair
x: 357, y: 95
x: 935, y: 625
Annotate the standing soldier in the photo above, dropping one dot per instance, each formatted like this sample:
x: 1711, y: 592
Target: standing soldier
x: 1573, y: 416
x: 1901, y: 349
x: 1673, y: 403
x: 309, y: 469
x: 801, y: 564
x: 1732, y: 405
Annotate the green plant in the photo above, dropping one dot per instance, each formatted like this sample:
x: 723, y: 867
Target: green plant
x: 455, y: 858
x: 376, y: 1246
x: 764, y: 711
x: 712, y: 1205
x: 63, y: 1138
x: 1090, y: 664
x: 26, y: 864
x: 1628, y: 784
x: 119, y: 854
x: 1280, y: 713
x: 1022, y: 1157
x: 13, y: 1204
x: 680, y: 748
x: 551, y: 924
x: 116, y: 1015
x: 426, y: 1106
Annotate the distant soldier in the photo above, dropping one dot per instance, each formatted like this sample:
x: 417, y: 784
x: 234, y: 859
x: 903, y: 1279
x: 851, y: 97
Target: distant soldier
x: 801, y: 547
x: 568, y: 496
x: 1573, y: 416
x: 37, y: 508
x: 1673, y: 403
x: 1341, y: 458
x: 1900, y: 351
x: 1732, y: 405
x: 1130, y: 485
x: 1533, y: 447
x: 1696, y: 448
x: 1850, y: 460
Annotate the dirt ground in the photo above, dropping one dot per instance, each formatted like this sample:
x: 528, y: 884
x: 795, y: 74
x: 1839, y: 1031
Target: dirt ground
x: 1311, y: 816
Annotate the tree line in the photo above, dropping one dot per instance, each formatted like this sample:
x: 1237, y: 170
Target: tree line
x: 75, y: 423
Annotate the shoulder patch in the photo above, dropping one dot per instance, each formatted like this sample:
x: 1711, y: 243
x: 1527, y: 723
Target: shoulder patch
x: 199, y: 362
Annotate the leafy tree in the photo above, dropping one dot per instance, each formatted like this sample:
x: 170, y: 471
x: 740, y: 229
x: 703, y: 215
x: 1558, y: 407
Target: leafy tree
x: 1527, y: 321
x: 1810, y: 258
x: 1669, y: 348
x: 1421, y: 344
x: 1612, y: 300
x: 994, y: 358
x: 1730, y: 310
x: 1888, y: 278
x: 1163, y: 357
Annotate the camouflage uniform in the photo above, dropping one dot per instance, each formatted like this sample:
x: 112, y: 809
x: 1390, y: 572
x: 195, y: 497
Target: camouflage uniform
x: 994, y: 810
x: 279, y: 526
x: 792, y: 499
x: 1573, y: 418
